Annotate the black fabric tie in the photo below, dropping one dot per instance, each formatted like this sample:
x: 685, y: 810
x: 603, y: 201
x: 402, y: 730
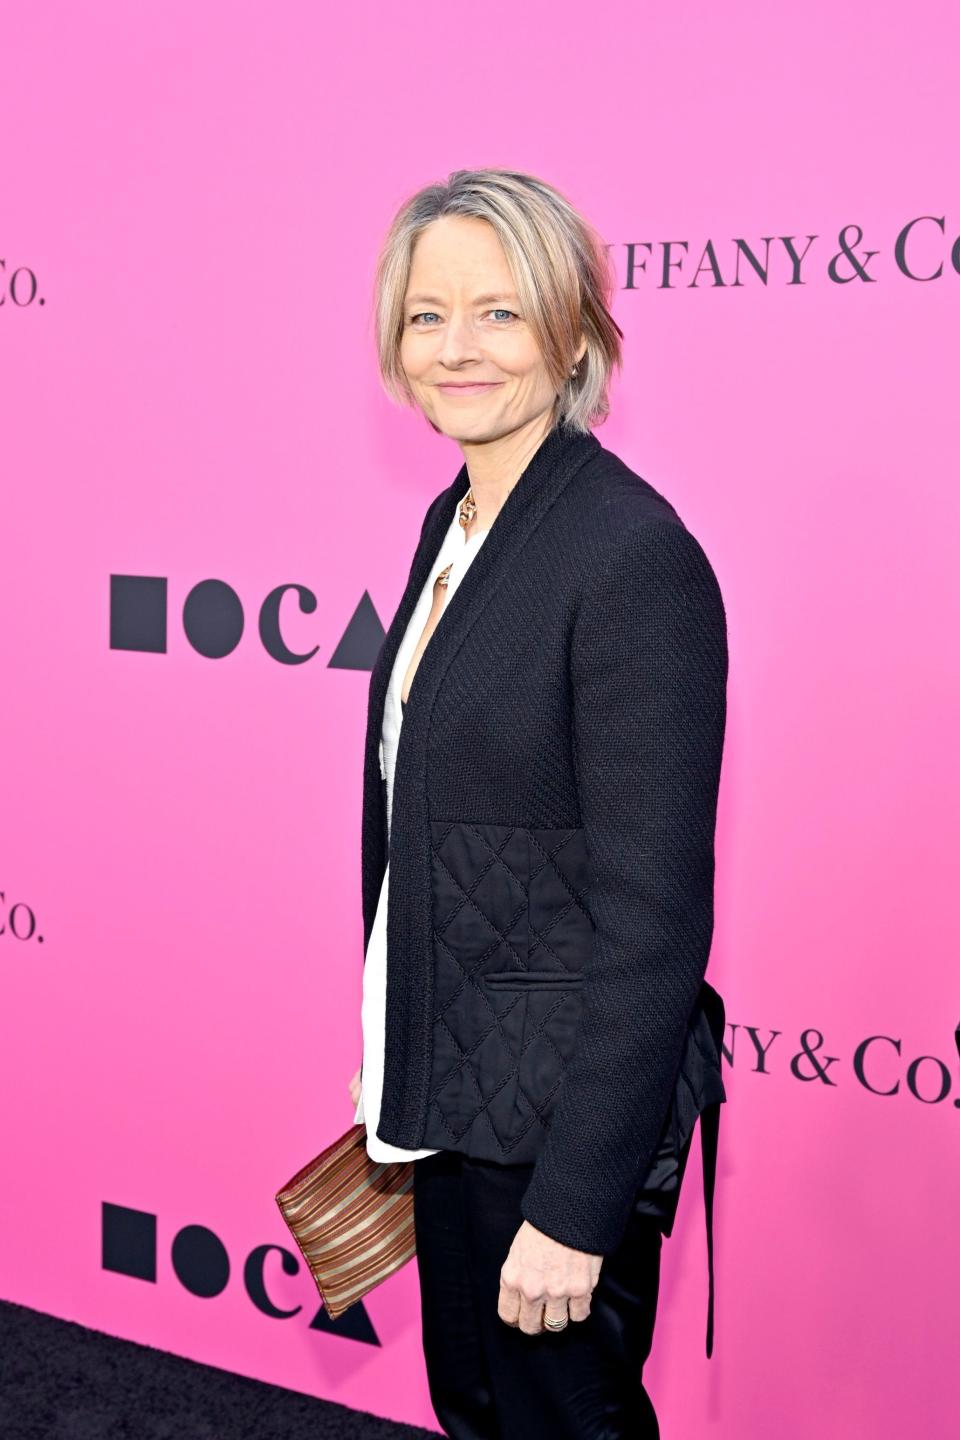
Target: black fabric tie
x: 709, y: 1136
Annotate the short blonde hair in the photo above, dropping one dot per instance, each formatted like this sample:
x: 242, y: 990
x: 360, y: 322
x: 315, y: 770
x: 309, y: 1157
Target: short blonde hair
x: 560, y: 268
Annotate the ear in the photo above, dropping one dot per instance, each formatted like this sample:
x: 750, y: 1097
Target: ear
x: 582, y: 348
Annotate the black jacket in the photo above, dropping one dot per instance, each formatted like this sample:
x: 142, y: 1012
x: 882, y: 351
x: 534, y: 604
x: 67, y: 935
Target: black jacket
x: 550, y: 904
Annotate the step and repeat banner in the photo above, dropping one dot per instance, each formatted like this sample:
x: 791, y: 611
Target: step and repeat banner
x: 209, y: 511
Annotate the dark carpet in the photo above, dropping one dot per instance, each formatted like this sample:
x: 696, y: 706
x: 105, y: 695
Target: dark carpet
x: 60, y: 1381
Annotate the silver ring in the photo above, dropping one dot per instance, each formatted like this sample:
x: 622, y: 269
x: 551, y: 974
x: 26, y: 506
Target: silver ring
x: 555, y: 1324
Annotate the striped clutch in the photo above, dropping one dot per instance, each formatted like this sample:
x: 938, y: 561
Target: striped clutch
x: 352, y: 1219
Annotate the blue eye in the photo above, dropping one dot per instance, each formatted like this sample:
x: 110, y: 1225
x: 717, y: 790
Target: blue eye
x: 427, y: 315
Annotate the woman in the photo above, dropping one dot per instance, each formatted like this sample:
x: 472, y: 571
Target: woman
x: 543, y: 751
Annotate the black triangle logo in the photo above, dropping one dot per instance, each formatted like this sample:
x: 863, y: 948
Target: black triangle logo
x: 361, y: 641
x: 353, y: 1324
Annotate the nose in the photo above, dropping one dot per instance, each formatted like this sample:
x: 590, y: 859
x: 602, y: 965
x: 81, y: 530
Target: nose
x: 459, y: 342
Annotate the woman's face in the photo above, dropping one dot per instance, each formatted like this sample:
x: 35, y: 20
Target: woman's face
x: 470, y: 358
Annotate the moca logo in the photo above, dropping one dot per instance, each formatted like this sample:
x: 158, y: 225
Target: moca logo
x: 200, y: 1262
x: 213, y: 622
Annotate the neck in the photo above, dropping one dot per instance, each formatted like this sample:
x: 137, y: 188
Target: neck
x: 495, y: 466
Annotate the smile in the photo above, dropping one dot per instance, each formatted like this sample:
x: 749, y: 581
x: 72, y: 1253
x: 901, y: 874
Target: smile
x: 471, y: 389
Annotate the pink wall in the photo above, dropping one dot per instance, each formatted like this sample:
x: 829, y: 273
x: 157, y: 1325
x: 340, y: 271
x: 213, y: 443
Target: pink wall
x: 200, y: 193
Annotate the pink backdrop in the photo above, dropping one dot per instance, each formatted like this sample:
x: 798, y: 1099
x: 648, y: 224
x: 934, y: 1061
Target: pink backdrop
x: 189, y: 395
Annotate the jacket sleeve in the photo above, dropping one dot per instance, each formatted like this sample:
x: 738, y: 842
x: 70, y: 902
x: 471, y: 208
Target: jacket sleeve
x: 648, y: 668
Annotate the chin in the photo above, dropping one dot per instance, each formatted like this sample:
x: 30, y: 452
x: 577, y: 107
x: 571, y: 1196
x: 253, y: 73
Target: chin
x: 465, y: 427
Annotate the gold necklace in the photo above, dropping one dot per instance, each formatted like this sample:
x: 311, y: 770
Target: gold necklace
x: 468, y: 508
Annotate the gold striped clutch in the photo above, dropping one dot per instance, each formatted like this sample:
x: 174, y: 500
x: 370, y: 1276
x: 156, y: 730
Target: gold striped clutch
x: 352, y: 1219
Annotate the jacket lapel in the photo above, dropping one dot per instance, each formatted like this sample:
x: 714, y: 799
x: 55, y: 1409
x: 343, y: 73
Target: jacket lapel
x: 424, y: 556
x: 409, y: 976
x: 374, y: 828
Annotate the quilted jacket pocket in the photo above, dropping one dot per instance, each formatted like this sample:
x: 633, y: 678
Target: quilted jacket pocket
x: 512, y: 940
x: 530, y: 980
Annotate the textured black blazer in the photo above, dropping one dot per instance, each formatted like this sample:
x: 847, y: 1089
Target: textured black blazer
x: 550, y: 903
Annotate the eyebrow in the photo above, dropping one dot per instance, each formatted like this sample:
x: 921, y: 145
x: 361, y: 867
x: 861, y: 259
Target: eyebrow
x: 478, y: 299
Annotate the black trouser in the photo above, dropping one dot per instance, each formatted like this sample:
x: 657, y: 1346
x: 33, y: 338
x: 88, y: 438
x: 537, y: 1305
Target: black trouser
x: 491, y: 1381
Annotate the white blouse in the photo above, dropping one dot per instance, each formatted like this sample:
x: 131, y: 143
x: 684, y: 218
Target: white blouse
x: 460, y: 550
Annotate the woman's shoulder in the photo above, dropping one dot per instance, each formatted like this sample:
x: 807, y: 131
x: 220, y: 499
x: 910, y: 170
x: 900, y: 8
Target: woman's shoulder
x: 616, y: 514
x: 642, y: 579
x: 609, y: 492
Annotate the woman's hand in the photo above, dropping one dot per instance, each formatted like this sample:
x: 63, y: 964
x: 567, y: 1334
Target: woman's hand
x: 355, y: 1089
x: 543, y: 1280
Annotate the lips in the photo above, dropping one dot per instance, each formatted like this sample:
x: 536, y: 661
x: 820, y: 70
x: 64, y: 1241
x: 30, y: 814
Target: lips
x: 470, y: 389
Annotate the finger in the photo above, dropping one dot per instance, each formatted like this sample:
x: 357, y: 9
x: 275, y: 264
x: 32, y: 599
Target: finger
x: 531, y: 1316
x: 579, y: 1307
x: 508, y: 1305
x: 557, y: 1313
